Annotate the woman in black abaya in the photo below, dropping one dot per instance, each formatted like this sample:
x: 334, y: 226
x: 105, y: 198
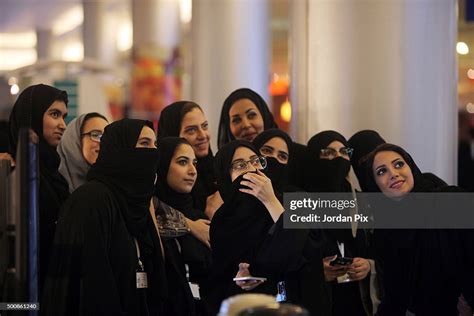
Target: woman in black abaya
x: 106, y: 236
x: 242, y: 222
x: 420, y: 267
x: 176, y: 177
x: 328, y: 169
x: 43, y: 108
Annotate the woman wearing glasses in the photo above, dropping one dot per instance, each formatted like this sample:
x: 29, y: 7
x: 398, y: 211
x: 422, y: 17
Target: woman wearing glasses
x: 250, y: 209
x: 79, y: 147
x: 328, y: 169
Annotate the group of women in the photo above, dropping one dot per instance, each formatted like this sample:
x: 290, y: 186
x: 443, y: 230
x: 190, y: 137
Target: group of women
x: 134, y: 222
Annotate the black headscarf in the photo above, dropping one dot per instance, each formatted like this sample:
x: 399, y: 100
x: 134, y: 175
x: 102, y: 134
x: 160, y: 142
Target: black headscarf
x: 129, y: 173
x: 276, y: 171
x: 323, y: 175
x: 181, y: 201
x: 169, y: 125
x: 224, y: 133
x: 363, y: 142
x: 420, y: 183
x: 171, y: 117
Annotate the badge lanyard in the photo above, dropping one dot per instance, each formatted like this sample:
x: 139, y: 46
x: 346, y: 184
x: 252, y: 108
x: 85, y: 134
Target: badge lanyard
x: 142, y: 280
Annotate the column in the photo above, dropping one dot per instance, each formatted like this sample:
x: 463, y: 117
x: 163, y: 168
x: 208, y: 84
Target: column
x: 384, y: 65
x: 156, y: 75
x: 230, y: 50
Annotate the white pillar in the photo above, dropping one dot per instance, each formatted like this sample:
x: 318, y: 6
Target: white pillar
x: 44, y: 44
x: 385, y: 65
x: 156, y: 24
x: 230, y: 50
x: 99, y: 32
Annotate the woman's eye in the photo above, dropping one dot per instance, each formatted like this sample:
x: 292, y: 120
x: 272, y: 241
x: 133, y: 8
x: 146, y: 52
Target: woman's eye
x: 399, y: 164
x: 205, y: 126
x: 251, y: 115
x: 182, y: 162
x: 381, y: 171
x: 236, y: 120
x: 195, y: 162
x: 144, y: 143
x: 283, y: 157
x: 265, y: 150
x: 190, y: 130
x: 55, y: 114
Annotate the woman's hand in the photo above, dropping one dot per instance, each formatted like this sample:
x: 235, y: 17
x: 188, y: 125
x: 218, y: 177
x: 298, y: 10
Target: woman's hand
x: 244, y: 272
x: 213, y: 203
x: 6, y: 156
x: 331, y: 273
x: 359, y: 269
x: 261, y: 187
x: 200, y: 230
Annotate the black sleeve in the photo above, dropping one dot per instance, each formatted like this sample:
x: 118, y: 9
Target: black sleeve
x: 80, y: 279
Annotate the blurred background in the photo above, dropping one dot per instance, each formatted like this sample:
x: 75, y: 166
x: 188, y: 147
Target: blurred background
x: 403, y: 68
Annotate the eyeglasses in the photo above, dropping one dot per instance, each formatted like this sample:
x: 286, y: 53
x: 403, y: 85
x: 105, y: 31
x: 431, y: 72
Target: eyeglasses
x: 257, y: 162
x: 95, y: 135
x: 332, y: 153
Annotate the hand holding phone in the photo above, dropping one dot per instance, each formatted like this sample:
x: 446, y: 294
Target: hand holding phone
x: 342, y: 261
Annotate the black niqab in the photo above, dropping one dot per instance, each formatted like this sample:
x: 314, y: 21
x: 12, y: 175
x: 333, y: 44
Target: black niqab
x: 323, y: 175
x: 129, y: 172
x: 224, y: 133
x: 279, y: 173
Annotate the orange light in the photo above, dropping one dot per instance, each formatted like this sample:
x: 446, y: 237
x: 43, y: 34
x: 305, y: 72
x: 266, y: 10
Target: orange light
x: 285, y: 111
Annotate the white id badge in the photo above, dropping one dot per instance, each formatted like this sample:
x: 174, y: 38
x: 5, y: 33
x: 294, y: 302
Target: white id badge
x: 195, y: 290
x: 142, y: 280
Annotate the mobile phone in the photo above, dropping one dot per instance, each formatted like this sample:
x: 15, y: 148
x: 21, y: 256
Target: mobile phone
x: 342, y: 261
x: 250, y: 278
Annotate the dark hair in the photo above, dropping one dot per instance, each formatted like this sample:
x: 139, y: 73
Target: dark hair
x: 89, y: 116
x: 188, y: 107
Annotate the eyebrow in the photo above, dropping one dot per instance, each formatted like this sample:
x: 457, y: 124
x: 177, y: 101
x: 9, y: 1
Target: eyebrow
x: 145, y: 138
x: 182, y: 157
x: 246, y: 112
x: 394, y: 160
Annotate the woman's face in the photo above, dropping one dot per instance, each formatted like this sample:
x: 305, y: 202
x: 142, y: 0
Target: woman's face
x: 54, y: 124
x: 277, y: 148
x: 392, y: 174
x: 195, y: 129
x: 333, y: 150
x: 147, y: 138
x: 243, y: 161
x: 246, y: 121
x: 182, y: 172
x: 92, y: 131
